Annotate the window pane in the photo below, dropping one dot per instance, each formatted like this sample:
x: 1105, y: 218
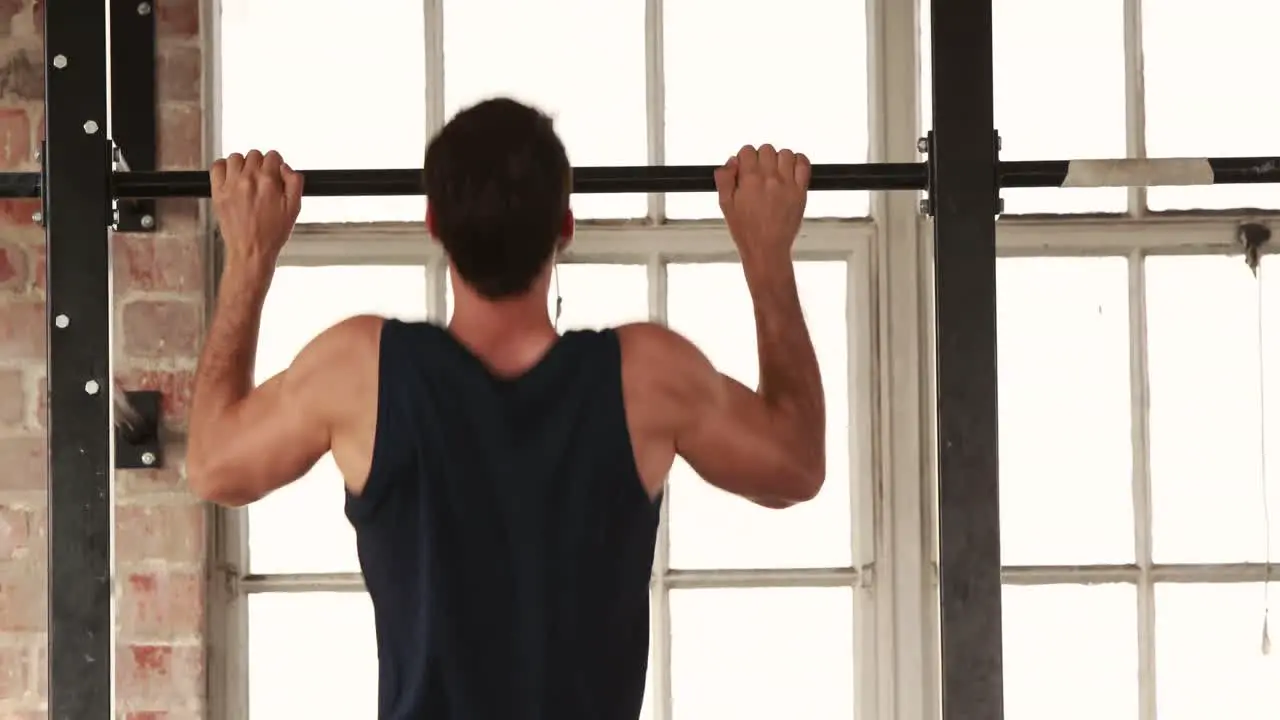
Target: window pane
x: 312, y: 655
x: 815, y: 74
x: 592, y: 82
x: 327, y: 94
x: 1209, y: 661
x: 593, y: 295
x: 1070, y: 652
x: 762, y: 653
x: 1059, y: 93
x: 1065, y: 440
x: 1203, y: 99
x: 302, y: 528
x: 710, y: 528
x: 1202, y: 338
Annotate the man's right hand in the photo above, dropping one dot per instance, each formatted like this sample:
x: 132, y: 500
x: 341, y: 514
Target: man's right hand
x: 763, y: 194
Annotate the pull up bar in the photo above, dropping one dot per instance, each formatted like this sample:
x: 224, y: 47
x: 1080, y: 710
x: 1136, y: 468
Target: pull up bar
x: 698, y: 178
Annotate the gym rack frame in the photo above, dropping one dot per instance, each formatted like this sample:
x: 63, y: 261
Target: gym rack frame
x: 78, y: 186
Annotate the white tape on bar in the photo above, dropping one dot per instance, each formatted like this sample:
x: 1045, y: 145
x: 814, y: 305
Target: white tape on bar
x: 1138, y: 173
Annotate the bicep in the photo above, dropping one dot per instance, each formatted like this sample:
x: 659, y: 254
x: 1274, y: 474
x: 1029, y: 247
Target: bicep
x: 734, y: 441
x: 276, y: 434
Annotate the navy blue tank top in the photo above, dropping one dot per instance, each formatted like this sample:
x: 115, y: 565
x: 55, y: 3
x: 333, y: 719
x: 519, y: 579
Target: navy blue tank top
x: 504, y: 534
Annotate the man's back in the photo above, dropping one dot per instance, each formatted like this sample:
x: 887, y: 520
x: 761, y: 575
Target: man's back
x: 504, y: 533
x: 506, y: 527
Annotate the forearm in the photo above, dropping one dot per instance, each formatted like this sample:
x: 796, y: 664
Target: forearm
x: 225, y: 372
x: 790, y: 381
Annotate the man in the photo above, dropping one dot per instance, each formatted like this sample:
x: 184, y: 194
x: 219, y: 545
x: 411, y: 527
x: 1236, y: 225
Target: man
x: 504, y: 480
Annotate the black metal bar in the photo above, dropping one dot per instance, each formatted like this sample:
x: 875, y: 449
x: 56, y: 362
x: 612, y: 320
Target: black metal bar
x: 894, y: 176
x: 133, y: 103
x: 78, y: 207
x: 585, y: 180
x: 964, y: 198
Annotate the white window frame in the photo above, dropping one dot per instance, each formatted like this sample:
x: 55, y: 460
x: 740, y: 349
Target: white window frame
x: 891, y: 377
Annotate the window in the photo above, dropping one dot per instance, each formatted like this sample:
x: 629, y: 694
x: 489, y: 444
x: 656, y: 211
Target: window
x: 714, y: 102
x: 1209, y: 652
x: 592, y: 83
x: 1070, y: 651
x: 1059, y: 93
x: 1119, y: 542
x: 327, y: 94
x: 730, y: 563
x: 726, y: 663
x: 1205, y: 98
x: 1065, y: 439
x: 1207, y: 490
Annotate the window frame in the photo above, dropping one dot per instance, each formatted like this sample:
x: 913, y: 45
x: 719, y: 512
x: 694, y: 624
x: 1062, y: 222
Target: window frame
x: 891, y: 364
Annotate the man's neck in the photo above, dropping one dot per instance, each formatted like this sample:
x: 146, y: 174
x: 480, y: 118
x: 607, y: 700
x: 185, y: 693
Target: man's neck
x: 509, y: 335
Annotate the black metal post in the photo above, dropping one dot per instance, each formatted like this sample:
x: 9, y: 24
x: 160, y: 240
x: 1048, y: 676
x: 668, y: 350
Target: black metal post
x: 77, y: 194
x: 134, y: 113
x: 964, y: 200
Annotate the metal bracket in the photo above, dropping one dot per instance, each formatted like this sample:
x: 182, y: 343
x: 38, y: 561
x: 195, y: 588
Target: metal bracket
x: 925, y: 146
x: 138, y: 443
x: 39, y: 216
x: 133, y: 104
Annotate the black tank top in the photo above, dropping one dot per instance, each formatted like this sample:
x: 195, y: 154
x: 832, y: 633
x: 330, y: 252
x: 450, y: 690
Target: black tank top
x: 504, y: 534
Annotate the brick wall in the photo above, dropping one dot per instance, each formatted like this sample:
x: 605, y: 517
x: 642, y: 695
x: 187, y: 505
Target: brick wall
x: 159, y: 284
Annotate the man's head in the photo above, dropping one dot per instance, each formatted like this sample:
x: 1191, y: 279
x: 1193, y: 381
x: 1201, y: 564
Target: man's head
x: 497, y: 180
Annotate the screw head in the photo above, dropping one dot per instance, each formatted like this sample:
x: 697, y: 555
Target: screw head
x: 59, y: 61
x: 91, y: 387
x: 147, y: 221
x: 924, y: 206
x: 148, y: 458
x: 90, y: 127
x: 922, y: 145
x: 62, y: 321
x: 37, y: 217
x: 144, y: 8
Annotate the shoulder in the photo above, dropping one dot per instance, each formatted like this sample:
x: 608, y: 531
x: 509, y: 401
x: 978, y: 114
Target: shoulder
x: 663, y: 356
x: 343, y: 344
x: 651, y: 341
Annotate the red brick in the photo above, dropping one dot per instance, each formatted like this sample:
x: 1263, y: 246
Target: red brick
x: 178, y: 18
x: 178, y: 74
x: 23, y: 601
x: 174, y: 386
x: 15, y: 138
x: 22, y: 74
x: 22, y: 331
x: 161, y: 328
x: 37, y: 18
x: 159, y: 674
x: 161, y: 715
x: 42, y: 402
x: 39, y: 269
x: 160, y: 532
x: 8, y: 10
x: 18, y: 212
x: 22, y: 464
x: 41, y: 668
x: 161, y: 606
x: 17, y: 532
x: 13, y: 398
x: 15, y: 672
x: 14, y: 277
x: 164, y: 264
x: 180, y: 143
